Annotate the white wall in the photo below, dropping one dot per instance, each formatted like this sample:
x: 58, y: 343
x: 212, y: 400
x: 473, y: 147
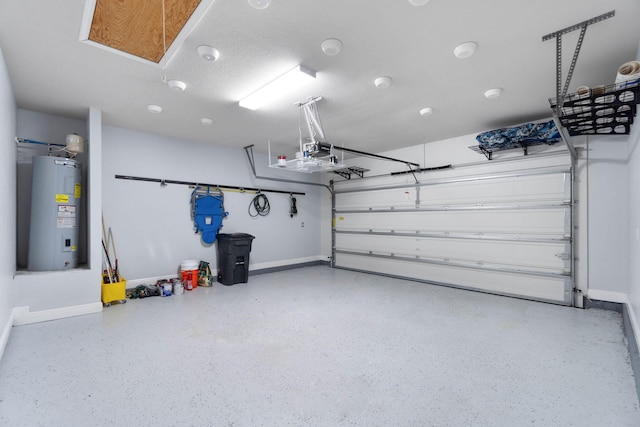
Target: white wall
x: 608, y: 214
x: 633, y: 227
x: 8, y: 212
x: 614, y: 222
x: 152, y: 226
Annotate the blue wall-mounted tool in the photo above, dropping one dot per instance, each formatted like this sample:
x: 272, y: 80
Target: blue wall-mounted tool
x: 207, y: 209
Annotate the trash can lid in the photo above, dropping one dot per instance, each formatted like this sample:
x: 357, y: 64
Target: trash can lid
x: 235, y: 236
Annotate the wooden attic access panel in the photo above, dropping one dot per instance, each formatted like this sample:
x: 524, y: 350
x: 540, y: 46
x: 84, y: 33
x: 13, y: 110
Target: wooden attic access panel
x: 136, y: 26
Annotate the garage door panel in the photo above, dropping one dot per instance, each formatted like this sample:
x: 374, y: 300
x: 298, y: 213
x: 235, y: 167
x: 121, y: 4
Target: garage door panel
x: 551, y: 257
x: 552, y: 187
x: 550, y: 222
x: 509, y: 233
x: 396, y: 197
x: 552, y: 289
x: 548, y: 188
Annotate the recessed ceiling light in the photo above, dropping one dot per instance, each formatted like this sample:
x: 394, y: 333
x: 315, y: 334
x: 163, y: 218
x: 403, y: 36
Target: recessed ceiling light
x: 155, y: 109
x: 260, y: 4
x: 331, y: 47
x: 208, y: 53
x: 426, y: 111
x: 382, y: 82
x: 493, y: 93
x: 418, y: 2
x: 465, y: 50
x: 206, y: 121
x: 177, y: 85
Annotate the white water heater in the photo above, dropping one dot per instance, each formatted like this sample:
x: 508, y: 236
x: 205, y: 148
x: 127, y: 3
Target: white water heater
x: 55, y: 212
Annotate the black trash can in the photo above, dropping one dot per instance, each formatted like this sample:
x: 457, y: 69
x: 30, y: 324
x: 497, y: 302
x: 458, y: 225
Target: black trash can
x: 233, y: 257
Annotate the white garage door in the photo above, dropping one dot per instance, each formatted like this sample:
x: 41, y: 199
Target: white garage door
x: 504, y: 231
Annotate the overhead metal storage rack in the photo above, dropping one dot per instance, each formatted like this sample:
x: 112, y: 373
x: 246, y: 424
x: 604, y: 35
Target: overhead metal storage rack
x: 608, y: 111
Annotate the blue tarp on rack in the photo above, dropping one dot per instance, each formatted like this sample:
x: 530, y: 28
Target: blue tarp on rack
x: 520, y: 136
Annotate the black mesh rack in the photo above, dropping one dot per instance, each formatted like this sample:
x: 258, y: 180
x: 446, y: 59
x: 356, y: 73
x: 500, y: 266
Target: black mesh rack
x: 605, y: 110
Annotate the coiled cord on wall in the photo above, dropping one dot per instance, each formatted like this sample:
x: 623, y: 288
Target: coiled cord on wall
x: 293, y: 209
x: 260, y: 205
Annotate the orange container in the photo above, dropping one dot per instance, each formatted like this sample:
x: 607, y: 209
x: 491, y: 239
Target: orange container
x: 189, y: 273
x: 190, y: 279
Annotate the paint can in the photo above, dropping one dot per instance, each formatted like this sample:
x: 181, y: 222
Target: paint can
x: 189, y: 273
x: 178, y: 289
x: 165, y: 288
x: 282, y: 160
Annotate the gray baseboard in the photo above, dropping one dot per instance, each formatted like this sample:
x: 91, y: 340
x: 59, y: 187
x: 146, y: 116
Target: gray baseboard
x: 632, y: 344
x: 288, y: 267
x: 604, y: 305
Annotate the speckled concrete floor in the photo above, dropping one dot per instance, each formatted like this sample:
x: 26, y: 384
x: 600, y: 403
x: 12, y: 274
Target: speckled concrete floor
x: 320, y: 347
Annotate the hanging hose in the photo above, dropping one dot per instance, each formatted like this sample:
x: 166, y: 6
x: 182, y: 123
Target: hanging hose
x: 261, y: 206
x: 293, y: 210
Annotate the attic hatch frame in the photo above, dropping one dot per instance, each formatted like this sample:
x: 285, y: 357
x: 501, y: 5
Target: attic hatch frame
x: 316, y: 146
x: 561, y: 90
x: 190, y: 25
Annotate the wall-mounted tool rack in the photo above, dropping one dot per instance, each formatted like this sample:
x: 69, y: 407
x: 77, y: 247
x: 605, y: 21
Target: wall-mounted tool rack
x: 212, y: 186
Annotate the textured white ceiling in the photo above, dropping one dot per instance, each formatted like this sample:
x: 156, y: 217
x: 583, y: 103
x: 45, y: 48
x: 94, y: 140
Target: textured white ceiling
x: 53, y: 72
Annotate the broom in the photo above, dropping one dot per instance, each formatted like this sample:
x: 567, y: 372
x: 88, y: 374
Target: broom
x: 115, y: 255
x: 105, y: 254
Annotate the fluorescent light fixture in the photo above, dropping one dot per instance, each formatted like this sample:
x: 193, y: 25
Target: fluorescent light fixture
x: 287, y: 82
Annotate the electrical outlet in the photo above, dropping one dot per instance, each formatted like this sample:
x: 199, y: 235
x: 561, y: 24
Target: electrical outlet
x: 302, y: 224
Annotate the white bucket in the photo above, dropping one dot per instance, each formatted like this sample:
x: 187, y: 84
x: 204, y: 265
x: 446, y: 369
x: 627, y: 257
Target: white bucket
x: 190, y: 264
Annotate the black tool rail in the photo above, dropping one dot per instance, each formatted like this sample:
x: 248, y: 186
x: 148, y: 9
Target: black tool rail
x: 203, y: 184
